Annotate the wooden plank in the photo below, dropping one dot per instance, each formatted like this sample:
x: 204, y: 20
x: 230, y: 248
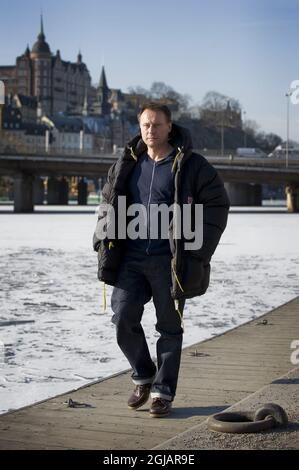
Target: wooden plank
x: 238, y: 363
x: 139, y: 421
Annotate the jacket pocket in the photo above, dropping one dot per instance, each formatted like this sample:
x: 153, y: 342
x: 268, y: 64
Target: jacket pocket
x: 195, y: 275
x: 109, y: 255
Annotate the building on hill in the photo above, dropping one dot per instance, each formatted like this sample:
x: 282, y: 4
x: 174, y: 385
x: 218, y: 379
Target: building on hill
x: 59, y: 85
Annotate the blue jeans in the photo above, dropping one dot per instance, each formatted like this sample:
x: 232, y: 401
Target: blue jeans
x: 140, y: 278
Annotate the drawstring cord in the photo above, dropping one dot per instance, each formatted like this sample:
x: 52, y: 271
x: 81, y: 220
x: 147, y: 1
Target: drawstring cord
x: 176, y: 276
x: 105, y: 298
x: 176, y: 302
x: 133, y: 154
x: 110, y: 245
x: 176, y: 305
x: 178, y: 157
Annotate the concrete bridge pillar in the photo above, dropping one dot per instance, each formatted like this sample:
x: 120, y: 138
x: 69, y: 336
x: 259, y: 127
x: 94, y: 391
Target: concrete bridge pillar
x: 58, y: 191
x: 23, y: 193
x: 244, y: 194
x: 82, y: 192
x: 256, y: 193
x: 63, y: 192
x: 292, y: 192
x: 53, y: 191
x: 38, y: 190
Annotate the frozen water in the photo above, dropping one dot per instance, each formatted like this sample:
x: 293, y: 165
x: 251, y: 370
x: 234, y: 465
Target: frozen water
x: 54, y: 335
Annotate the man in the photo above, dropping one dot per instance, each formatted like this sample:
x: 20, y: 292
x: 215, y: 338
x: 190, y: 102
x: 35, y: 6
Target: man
x: 158, y: 167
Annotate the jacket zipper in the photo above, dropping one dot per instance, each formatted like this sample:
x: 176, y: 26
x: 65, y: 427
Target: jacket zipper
x: 147, y: 209
x: 177, y: 266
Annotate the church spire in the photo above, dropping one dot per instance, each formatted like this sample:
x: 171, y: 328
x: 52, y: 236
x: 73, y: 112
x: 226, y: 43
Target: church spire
x: 27, y: 51
x: 103, y: 80
x: 41, y: 24
x: 41, y: 46
x: 41, y: 34
x: 103, y: 95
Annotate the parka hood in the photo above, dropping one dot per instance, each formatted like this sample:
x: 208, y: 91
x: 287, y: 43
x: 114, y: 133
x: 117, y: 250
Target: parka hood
x: 179, y: 138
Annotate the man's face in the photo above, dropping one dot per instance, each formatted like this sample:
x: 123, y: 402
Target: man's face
x: 154, y: 128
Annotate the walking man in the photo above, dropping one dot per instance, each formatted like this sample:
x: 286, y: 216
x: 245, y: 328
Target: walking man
x: 158, y: 167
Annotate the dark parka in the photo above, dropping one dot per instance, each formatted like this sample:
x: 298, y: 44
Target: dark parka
x: 195, y: 182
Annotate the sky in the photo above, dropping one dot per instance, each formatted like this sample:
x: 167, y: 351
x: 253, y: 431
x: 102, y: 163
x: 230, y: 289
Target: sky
x: 245, y: 49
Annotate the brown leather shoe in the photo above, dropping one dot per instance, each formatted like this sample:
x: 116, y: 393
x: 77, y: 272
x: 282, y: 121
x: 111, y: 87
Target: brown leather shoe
x: 160, y: 408
x: 140, y: 396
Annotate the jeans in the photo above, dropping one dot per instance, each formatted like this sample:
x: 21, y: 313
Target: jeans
x: 140, y: 278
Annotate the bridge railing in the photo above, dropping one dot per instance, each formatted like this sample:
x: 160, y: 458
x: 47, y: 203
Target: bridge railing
x: 21, y: 149
x: 214, y: 156
x: 254, y: 162
x: 231, y: 158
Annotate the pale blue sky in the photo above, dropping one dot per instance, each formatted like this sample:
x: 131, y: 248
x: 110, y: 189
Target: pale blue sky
x: 247, y: 49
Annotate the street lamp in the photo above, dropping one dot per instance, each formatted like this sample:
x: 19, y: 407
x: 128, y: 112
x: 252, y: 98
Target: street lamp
x: 245, y: 135
x: 222, y: 134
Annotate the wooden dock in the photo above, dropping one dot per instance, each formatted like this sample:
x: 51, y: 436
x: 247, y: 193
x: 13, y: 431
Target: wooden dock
x: 214, y: 375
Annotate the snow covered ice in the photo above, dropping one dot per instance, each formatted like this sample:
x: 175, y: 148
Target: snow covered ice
x: 54, y: 335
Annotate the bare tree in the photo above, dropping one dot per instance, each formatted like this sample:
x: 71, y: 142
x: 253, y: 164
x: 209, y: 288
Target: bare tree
x: 251, y: 127
x: 267, y: 142
x: 160, y: 90
x: 214, y: 101
x: 139, y: 90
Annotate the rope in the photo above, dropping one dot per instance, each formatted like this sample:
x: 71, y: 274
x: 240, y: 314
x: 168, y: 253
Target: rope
x: 105, y: 298
x: 267, y: 416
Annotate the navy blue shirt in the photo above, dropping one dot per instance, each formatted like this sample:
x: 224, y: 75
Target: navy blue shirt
x: 151, y: 182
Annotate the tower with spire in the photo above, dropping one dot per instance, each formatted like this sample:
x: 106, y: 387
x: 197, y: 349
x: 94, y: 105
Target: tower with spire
x: 41, y: 58
x: 103, y: 95
x: 58, y: 85
x: 41, y: 48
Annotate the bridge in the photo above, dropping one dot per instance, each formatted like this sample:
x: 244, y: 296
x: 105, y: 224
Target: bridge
x: 243, y: 177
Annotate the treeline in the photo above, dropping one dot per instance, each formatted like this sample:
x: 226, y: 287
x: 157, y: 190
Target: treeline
x: 217, y: 117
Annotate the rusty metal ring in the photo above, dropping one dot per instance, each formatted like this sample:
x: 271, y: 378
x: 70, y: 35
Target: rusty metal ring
x: 265, y: 417
x: 272, y: 409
